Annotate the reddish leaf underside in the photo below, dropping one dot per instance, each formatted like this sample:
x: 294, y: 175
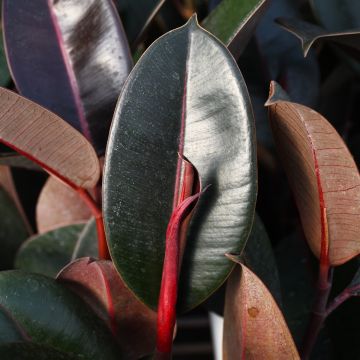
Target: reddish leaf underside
x: 254, y: 327
x: 99, y: 284
x: 58, y: 205
x: 48, y: 140
x: 323, y: 176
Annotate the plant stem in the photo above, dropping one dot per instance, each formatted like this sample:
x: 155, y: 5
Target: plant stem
x: 342, y: 297
x: 97, y: 213
x: 319, y: 311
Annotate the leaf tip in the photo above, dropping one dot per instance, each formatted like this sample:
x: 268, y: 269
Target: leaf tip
x: 193, y: 21
x: 234, y: 258
x: 276, y: 94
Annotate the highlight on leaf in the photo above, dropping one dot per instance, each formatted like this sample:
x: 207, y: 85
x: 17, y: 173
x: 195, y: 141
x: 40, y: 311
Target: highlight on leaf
x: 323, y: 176
x: 78, y: 65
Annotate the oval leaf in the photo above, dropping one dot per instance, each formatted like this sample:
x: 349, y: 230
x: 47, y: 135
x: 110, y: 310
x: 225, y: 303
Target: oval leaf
x: 59, y: 205
x: 53, y: 316
x: 234, y: 22
x: 253, y: 324
x: 99, y: 284
x: 176, y: 108
x: 76, y: 67
x: 48, y: 253
x: 323, y: 176
x: 48, y: 140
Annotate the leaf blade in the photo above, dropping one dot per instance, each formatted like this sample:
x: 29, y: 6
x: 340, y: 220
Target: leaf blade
x: 84, y: 49
x: 328, y: 199
x: 34, y: 132
x: 233, y: 22
x: 127, y: 161
x: 248, y: 306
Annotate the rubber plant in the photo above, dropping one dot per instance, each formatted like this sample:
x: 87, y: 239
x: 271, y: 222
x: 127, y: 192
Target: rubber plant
x: 153, y: 180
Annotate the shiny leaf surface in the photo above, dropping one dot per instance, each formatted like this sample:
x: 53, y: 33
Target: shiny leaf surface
x: 59, y: 205
x: 48, y: 253
x: 233, y: 22
x: 34, y: 132
x: 53, y: 316
x: 323, y: 176
x: 99, y: 284
x: 254, y: 327
x: 75, y: 66
x: 194, y: 103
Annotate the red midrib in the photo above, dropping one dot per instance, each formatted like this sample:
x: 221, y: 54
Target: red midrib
x: 324, y: 249
x: 181, y: 144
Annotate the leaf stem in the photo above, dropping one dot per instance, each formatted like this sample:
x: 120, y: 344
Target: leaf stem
x: 97, y: 213
x: 319, y: 310
x: 170, y: 277
x: 341, y: 298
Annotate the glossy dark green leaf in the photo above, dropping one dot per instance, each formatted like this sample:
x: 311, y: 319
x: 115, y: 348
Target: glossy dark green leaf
x: 53, y: 316
x: 13, y: 231
x: 233, y: 22
x: 259, y: 257
x: 31, y: 351
x: 137, y: 15
x: 309, y: 34
x: 87, y: 243
x: 297, y: 278
x: 48, y: 253
x: 76, y: 64
x: 10, y: 330
x: 337, y: 15
x: 185, y: 96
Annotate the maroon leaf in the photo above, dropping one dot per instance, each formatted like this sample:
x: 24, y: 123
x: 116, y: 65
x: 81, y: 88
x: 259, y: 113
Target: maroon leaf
x: 99, y: 284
